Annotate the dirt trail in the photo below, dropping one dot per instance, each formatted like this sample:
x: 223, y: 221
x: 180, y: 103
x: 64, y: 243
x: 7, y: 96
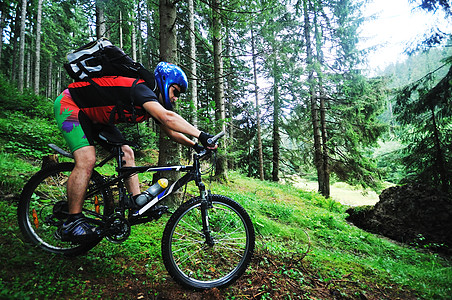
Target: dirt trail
x: 341, y: 192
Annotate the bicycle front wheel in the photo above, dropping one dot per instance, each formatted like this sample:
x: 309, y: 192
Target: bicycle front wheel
x: 195, y: 262
x: 43, y: 208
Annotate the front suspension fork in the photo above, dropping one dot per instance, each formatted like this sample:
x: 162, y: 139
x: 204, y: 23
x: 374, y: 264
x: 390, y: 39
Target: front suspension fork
x: 205, y: 205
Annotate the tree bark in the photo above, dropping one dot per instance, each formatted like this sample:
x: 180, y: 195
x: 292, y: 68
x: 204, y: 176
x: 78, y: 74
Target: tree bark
x: 318, y: 159
x: 276, y: 113
x: 134, y: 40
x: 2, y: 26
x: 169, y: 151
x: 168, y: 39
x: 101, y: 28
x: 28, y: 73
x: 221, y: 167
x: 193, y: 69
x: 49, y: 79
x: 258, y: 115
x: 324, y: 182
x: 121, y: 41
x: 139, y: 35
x: 37, y: 72
x: 22, y: 46
x: 14, y: 37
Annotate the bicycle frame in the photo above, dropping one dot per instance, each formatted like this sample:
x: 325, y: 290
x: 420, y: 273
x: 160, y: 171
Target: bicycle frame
x: 193, y: 174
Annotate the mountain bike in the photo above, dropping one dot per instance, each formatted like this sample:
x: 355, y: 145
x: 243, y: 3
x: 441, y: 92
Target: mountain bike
x: 207, y: 242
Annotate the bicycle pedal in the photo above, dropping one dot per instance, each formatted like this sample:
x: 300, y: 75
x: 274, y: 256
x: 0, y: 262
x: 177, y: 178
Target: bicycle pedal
x: 157, y: 212
x: 153, y: 214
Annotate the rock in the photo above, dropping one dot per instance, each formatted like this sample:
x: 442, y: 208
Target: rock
x: 412, y: 213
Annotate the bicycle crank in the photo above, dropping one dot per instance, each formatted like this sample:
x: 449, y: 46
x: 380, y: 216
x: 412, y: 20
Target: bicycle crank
x: 117, y: 229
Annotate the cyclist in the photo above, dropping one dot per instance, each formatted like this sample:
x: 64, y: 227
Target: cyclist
x: 85, y: 109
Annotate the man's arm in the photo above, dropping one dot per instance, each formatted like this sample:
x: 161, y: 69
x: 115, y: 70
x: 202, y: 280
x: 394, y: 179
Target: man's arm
x: 172, y: 123
x: 178, y: 137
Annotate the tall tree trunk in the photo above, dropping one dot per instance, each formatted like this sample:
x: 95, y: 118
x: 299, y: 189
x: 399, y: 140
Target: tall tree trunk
x: 22, y: 46
x: 134, y: 39
x: 229, y: 96
x: 258, y: 115
x: 28, y: 76
x: 101, y: 27
x: 58, y: 82
x: 318, y: 159
x: 37, y: 72
x: 2, y: 26
x: 325, y: 181
x: 325, y: 188
x: 139, y: 35
x: 49, y: 79
x: 14, y: 38
x: 169, y: 151
x: 276, y: 113
x: 221, y: 167
x: 148, y: 58
x: 193, y: 69
x: 121, y: 41
x: 168, y: 39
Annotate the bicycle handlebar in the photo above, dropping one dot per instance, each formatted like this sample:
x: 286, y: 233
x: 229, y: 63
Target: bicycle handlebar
x: 213, y: 140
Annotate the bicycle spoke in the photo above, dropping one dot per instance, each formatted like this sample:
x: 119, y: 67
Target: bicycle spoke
x: 192, y: 260
x: 42, y: 209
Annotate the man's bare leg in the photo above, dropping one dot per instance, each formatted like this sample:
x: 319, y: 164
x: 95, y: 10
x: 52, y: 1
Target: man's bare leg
x: 132, y: 183
x: 85, y: 159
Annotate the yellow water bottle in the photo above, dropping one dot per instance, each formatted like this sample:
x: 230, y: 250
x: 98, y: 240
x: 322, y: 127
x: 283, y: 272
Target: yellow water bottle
x: 151, y: 192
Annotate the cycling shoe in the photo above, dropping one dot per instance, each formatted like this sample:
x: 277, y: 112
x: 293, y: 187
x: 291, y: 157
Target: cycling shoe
x: 77, y: 231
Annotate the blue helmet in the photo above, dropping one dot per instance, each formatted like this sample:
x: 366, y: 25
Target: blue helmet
x: 167, y: 74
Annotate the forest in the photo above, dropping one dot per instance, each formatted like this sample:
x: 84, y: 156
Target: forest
x: 286, y: 81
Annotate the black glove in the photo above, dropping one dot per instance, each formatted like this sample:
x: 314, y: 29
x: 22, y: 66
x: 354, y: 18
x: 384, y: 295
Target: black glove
x: 198, y: 148
x: 203, y: 137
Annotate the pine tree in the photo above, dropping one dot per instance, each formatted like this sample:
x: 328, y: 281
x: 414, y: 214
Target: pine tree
x: 426, y: 113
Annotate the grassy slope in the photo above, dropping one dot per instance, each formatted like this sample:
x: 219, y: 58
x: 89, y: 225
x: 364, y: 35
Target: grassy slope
x: 338, y: 248
x: 343, y: 262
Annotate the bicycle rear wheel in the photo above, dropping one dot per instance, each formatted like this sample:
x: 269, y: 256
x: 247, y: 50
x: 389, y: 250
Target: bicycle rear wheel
x: 191, y: 261
x: 43, y: 207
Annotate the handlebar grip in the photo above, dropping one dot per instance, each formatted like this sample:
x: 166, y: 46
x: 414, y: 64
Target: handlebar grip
x: 213, y: 140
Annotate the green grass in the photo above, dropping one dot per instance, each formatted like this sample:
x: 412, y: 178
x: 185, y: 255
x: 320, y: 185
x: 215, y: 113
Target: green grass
x: 14, y: 173
x: 283, y: 215
x: 342, y: 257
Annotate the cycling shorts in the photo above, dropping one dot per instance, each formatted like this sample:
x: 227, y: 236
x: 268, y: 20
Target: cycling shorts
x: 77, y: 129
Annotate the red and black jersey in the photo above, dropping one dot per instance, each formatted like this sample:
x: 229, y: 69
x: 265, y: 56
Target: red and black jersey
x: 113, y: 99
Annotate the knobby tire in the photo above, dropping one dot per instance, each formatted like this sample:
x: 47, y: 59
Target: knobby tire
x: 195, y: 264
x: 43, y: 207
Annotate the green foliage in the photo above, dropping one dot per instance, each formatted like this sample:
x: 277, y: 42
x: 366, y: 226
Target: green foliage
x: 14, y: 173
x: 28, y: 103
x: 423, y: 107
x: 26, y: 122
x: 28, y: 136
x: 389, y: 161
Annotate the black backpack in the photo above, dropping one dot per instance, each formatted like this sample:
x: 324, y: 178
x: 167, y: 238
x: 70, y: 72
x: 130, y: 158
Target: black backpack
x: 102, y: 58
